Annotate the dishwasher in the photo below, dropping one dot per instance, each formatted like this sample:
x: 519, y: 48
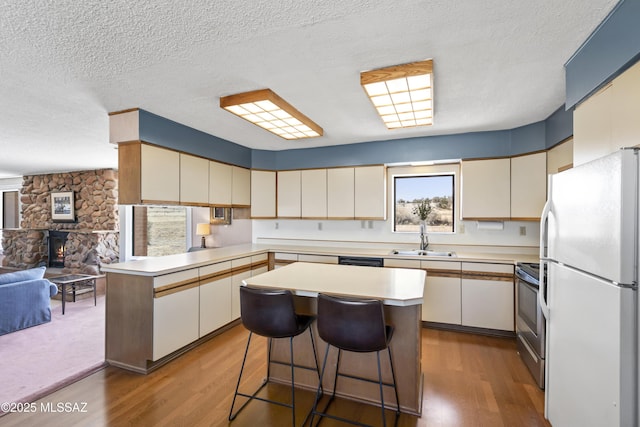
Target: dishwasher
x: 362, y: 261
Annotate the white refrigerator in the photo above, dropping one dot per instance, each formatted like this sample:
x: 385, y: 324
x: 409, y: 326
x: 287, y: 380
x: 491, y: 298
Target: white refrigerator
x: 589, y: 249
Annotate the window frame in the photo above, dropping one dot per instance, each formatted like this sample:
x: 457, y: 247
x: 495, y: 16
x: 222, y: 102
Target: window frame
x: 453, y: 173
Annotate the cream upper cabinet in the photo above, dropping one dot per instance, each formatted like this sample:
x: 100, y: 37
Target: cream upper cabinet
x: 194, y: 180
x: 560, y: 157
x: 528, y: 186
x: 608, y: 120
x: 240, y: 186
x: 314, y: 193
x: 220, y: 176
x: 263, y: 194
x: 370, y: 192
x: 289, y: 194
x: 486, y: 189
x: 592, y: 127
x: 340, y: 193
x: 159, y: 174
x: 625, y: 119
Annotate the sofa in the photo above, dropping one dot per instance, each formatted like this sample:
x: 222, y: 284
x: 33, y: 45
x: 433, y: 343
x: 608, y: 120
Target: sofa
x: 25, y: 299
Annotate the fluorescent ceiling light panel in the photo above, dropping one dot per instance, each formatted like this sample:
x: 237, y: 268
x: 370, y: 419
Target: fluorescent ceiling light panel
x: 402, y: 94
x: 266, y: 109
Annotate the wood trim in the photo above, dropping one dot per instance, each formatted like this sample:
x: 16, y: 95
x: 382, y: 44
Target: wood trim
x: 129, y: 173
x: 260, y: 264
x: 239, y: 206
x: 471, y: 329
x: 219, y: 275
x: 113, y: 113
x: 241, y: 269
x: 443, y: 273
x: 565, y: 167
x: 175, y: 289
x: 529, y: 153
x: 535, y: 218
x: 268, y: 94
x: 487, y: 275
x: 475, y: 218
x: 263, y: 217
x: 397, y: 71
x: 477, y: 159
x: 160, y: 202
x: 174, y: 285
x: 283, y: 261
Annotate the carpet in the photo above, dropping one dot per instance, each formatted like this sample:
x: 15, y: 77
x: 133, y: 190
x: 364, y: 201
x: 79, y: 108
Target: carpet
x: 39, y: 360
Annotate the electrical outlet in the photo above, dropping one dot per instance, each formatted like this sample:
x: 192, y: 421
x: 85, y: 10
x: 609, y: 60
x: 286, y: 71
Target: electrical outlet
x: 277, y: 225
x: 461, y: 228
x: 320, y: 226
x: 523, y: 231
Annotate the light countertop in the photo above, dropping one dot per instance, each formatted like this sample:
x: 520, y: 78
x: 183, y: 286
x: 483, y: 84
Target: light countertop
x: 394, y: 286
x: 155, y: 266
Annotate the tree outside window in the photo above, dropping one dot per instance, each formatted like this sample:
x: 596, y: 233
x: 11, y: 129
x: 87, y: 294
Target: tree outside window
x: 424, y: 196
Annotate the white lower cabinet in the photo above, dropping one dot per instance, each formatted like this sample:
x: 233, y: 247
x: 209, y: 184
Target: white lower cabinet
x: 442, y: 293
x: 215, y: 297
x: 488, y: 296
x: 175, y: 321
x: 244, y: 268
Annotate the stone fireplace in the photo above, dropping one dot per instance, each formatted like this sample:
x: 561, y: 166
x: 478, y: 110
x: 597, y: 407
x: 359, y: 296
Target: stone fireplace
x: 91, y: 238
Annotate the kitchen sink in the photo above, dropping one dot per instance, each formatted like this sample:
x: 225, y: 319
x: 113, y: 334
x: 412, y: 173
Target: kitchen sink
x: 418, y: 252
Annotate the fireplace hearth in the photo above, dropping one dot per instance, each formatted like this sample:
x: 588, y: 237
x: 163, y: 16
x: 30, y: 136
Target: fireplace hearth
x: 57, y: 248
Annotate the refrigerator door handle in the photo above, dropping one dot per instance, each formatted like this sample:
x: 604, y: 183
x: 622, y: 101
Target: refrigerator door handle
x: 544, y: 219
x: 542, y: 290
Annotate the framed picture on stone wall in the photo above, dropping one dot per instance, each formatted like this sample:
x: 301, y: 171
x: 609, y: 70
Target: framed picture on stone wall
x: 62, y: 206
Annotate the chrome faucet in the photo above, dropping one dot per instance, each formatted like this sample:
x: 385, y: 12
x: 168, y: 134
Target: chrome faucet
x: 424, y: 240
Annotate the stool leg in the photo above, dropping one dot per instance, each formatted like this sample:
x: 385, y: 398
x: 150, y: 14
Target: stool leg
x: 314, y: 410
x: 315, y: 358
x: 384, y: 420
x: 293, y: 383
x: 395, y: 386
x: 231, y: 414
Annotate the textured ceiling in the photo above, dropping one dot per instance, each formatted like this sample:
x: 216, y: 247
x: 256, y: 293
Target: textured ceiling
x: 65, y: 64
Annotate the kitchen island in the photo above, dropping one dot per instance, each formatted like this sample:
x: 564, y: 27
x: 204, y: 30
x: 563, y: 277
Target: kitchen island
x: 401, y: 291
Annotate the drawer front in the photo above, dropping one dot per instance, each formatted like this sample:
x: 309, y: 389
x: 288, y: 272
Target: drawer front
x: 282, y: 256
x: 241, y: 262
x: 488, y: 267
x: 322, y: 259
x: 401, y: 263
x: 255, y: 259
x: 180, y: 277
x: 213, y: 269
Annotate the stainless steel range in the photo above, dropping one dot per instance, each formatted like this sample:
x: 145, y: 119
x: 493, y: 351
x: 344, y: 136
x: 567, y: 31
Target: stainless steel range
x: 530, y: 322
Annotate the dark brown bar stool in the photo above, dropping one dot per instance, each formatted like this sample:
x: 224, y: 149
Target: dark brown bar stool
x: 358, y: 326
x: 271, y: 314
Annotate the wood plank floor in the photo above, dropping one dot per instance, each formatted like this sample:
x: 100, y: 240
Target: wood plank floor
x: 469, y: 380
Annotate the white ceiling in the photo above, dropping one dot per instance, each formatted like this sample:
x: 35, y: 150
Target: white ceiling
x: 64, y: 64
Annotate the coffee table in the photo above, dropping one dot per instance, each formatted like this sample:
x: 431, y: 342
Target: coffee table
x: 75, y: 283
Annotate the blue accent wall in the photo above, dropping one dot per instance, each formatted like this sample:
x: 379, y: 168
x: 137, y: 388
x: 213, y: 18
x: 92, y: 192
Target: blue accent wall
x: 534, y: 137
x: 558, y: 126
x: 610, y: 50
x: 167, y: 133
